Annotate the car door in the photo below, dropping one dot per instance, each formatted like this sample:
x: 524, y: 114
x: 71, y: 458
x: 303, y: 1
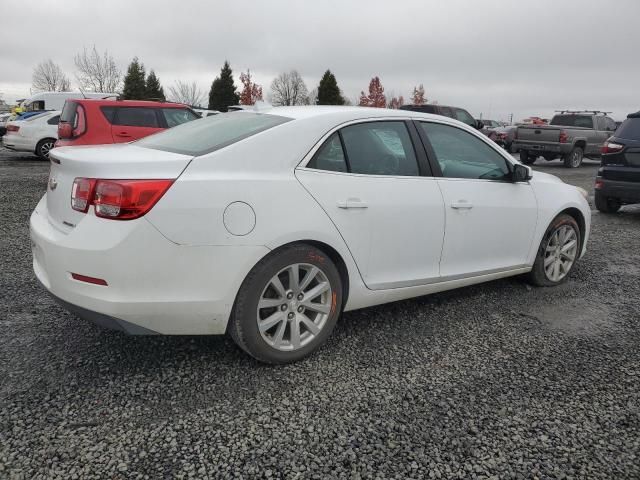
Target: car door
x: 132, y: 123
x: 373, y: 180
x: 490, y: 220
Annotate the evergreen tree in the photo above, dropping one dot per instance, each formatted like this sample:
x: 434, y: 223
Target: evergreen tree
x: 223, y: 91
x: 154, y: 90
x: 328, y: 91
x: 134, y: 82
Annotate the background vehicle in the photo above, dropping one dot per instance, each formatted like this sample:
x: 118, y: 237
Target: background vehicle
x: 55, y: 100
x: 489, y: 128
x: 37, y: 134
x: 4, y: 118
x: 267, y: 225
x: 452, y: 112
x: 571, y: 135
x: 618, y: 180
x: 96, y: 122
x: 505, y: 136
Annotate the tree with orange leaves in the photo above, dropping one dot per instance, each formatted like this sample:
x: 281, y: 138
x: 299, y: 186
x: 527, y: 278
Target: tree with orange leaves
x: 251, y: 92
x: 376, y: 96
x: 396, y: 102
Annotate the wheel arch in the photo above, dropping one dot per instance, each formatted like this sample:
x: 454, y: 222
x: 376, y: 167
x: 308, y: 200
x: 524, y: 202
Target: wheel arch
x: 577, y: 215
x: 332, y: 253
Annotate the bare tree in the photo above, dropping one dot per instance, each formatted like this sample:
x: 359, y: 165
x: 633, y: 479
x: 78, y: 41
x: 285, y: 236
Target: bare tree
x: 97, y: 73
x: 49, y: 77
x: 187, y: 93
x: 288, y: 88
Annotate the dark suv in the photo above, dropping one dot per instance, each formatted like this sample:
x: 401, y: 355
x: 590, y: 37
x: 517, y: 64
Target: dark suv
x: 618, y: 180
x: 451, y: 112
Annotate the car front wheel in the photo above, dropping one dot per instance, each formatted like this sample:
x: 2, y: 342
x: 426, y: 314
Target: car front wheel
x: 288, y: 305
x: 558, y: 252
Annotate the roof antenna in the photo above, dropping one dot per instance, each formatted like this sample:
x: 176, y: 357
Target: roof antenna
x: 83, y: 95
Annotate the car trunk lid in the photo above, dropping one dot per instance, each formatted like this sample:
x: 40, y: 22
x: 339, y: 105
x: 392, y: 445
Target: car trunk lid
x: 122, y: 162
x: 539, y: 133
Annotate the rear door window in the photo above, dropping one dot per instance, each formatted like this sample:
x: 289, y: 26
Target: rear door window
x: 330, y: 157
x: 464, y: 116
x: 136, y: 117
x: 178, y: 116
x: 380, y: 148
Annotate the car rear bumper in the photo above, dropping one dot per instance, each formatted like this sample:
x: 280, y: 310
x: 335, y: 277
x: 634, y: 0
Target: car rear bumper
x: 20, y: 144
x: 153, y: 286
x: 626, y: 192
x: 558, y: 148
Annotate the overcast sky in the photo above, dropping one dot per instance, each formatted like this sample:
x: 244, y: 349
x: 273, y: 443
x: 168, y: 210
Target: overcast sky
x: 526, y: 57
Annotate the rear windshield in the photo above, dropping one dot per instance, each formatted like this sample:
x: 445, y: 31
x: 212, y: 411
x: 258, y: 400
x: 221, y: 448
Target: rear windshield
x: 68, y: 112
x: 630, y: 129
x: 212, y: 133
x: 573, y: 121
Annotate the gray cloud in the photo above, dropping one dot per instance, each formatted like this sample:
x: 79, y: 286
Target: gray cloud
x: 492, y: 57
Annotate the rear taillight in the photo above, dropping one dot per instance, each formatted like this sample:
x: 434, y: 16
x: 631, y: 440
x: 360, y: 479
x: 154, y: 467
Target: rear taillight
x: 82, y: 194
x: 65, y: 130
x: 598, y: 184
x: 117, y: 199
x: 80, y: 124
x: 12, y: 128
x: 610, y: 147
x: 563, y: 138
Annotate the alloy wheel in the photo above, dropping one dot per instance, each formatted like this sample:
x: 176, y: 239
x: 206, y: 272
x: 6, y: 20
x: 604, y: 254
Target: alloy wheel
x: 294, y: 306
x: 560, y: 253
x: 45, y: 148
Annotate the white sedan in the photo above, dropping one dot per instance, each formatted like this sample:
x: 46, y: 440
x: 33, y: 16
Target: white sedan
x: 36, y: 134
x: 268, y: 225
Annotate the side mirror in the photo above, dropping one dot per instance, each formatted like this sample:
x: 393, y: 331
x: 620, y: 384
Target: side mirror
x: 521, y: 173
x: 479, y: 124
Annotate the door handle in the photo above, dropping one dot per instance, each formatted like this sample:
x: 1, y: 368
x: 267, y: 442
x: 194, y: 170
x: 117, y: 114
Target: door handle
x: 122, y: 134
x: 351, y: 203
x: 462, y: 205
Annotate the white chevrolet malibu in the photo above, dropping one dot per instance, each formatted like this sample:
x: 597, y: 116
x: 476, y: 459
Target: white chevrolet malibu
x: 268, y: 225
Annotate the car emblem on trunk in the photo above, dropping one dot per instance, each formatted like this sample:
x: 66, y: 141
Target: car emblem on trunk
x: 53, y: 183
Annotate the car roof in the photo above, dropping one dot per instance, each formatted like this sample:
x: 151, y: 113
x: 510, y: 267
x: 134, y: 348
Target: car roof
x: 354, y: 112
x: 128, y: 103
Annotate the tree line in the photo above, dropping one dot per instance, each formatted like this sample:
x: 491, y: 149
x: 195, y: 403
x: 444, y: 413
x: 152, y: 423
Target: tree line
x: 97, y: 72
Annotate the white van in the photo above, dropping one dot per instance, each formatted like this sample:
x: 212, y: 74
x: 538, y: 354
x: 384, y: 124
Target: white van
x: 55, y: 100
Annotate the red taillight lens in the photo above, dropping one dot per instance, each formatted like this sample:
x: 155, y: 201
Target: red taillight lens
x: 563, y: 138
x: 82, y: 194
x: 84, y: 278
x: 610, y: 147
x: 80, y: 123
x: 598, y: 184
x: 117, y: 199
x: 127, y: 199
x: 65, y: 130
x: 12, y: 128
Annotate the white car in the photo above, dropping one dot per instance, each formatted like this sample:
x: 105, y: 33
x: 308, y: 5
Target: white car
x: 269, y: 225
x: 36, y: 134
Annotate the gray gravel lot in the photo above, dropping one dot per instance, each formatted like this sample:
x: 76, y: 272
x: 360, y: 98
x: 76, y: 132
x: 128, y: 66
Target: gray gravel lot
x: 493, y: 381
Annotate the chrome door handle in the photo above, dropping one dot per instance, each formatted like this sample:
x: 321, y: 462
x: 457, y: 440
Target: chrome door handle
x: 351, y: 203
x: 462, y: 205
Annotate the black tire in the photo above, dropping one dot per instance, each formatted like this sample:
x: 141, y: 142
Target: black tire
x: 43, y: 147
x: 508, y: 147
x: 605, y: 204
x: 243, y: 324
x: 527, y: 158
x: 574, y: 158
x: 537, y: 275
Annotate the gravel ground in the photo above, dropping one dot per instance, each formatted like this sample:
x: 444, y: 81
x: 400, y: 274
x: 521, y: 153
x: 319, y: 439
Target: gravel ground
x: 493, y: 381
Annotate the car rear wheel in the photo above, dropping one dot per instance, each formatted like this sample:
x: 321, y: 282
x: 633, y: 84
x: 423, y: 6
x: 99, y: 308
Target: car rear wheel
x: 288, y: 305
x: 527, y: 158
x: 44, y: 146
x: 558, y: 252
x: 605, y: 204
x: 574, y: 158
